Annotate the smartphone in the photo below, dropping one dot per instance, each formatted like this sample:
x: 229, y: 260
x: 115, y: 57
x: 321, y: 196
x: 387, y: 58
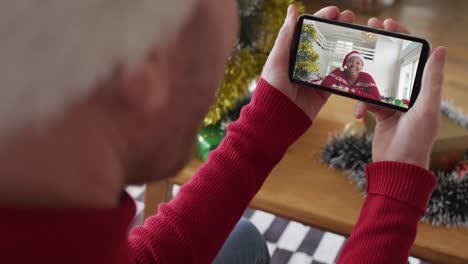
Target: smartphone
x: 363, y: 63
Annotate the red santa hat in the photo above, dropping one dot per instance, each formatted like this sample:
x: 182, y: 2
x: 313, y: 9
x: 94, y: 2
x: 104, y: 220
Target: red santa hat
x: 349, y: 56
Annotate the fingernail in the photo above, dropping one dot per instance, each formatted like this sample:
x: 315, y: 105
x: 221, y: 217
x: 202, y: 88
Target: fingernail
x: 357, y: 110
x: 289, y: 10
x: 442, y: 53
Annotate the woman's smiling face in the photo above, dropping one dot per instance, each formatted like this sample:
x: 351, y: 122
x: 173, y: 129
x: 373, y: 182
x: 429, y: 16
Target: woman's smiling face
x: 354, y: 66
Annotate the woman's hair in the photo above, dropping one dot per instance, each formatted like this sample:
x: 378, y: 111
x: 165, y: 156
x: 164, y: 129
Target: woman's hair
x: 53, y: 52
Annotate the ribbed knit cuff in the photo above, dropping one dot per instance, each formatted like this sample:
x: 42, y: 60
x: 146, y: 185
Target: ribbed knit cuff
x: 276, y: 115
x: 401, y: 181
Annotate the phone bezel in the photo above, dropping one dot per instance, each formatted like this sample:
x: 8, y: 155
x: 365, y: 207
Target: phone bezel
x: 426, y: 47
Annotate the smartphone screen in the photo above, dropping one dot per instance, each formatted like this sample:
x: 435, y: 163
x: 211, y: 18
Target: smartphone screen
x: 367, y: 64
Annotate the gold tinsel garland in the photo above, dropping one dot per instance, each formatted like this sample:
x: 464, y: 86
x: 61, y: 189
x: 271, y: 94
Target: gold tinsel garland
x: 246, y: 63
x: 307, y: 62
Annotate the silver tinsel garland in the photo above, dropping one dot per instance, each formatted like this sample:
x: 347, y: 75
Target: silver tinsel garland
x: 449, y: 202
x: 447, y: 108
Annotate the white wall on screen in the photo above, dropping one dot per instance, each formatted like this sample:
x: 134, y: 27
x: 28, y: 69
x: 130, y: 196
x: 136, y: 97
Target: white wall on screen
x: 385, y: 67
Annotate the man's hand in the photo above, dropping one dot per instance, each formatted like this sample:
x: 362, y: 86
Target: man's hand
x: 409, y: 137
x: 275, y: 72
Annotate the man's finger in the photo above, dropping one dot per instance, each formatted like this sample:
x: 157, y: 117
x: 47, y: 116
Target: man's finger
x: 283, y: 41
x: 433, y: 78
x: 346, y: 16
x: 388, y: 24
x: 375, y: 23
x: 392, y: 25
x: 330, y: 12
x: 360, y: 110
x: 379, y: 112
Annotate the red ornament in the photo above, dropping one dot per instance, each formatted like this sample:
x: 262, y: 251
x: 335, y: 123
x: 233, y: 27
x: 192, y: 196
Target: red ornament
x: 448, y: 161
x: 462, y: 169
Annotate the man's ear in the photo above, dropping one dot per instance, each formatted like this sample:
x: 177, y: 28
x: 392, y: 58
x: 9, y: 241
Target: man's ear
x: 146, y: 88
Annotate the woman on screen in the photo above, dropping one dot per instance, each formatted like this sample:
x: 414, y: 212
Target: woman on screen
x: 351, y: 79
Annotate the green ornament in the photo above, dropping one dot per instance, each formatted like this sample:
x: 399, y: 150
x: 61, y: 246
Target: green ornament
x: 209, y: 138
x: 399, y: 102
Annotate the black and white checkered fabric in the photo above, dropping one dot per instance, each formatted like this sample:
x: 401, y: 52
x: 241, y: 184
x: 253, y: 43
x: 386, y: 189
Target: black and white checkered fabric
x: 288, y: 242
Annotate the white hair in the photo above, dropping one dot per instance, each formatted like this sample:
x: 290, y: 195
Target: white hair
x: 54, y: 51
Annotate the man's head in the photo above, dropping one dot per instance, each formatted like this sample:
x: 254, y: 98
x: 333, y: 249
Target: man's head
x: 173, y: 91
x: 130, y: 77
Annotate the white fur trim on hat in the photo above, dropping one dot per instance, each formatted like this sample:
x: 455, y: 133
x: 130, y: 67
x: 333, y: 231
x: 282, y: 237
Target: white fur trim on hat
x: 358, y: 55
x: 350, y: 55
x: 53, y: 52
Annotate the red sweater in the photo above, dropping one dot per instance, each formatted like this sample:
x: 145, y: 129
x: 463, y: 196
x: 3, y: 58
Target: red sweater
x: 194, y: 225
x: 364, y: 86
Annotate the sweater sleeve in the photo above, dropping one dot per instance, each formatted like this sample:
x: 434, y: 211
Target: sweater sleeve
x: 328, y: 81
x: 373, y: 89
x: 397, y: 196
x: 194, y: 225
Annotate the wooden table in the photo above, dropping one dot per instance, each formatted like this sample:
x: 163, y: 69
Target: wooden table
x: 306, y: 190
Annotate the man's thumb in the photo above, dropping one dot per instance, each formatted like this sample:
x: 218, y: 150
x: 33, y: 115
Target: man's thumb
x: 287, y: 30
x: 431, y: 90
